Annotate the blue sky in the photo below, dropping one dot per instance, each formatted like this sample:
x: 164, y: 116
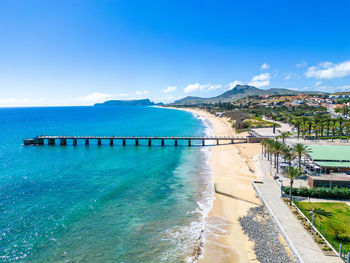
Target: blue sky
x: 82, y: 52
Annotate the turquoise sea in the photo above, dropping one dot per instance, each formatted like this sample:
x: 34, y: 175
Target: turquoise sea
x: 101, y: 204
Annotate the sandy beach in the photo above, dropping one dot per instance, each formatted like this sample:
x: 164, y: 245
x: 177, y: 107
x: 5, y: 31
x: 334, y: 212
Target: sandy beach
x: 233, y: 171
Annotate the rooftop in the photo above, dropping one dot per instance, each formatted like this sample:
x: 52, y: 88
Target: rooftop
x: 330, y: 152
x: 330, y: 155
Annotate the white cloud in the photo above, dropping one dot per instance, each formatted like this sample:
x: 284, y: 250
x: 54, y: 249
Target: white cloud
x: 169, y: 89
x: 138, y: 92
x: 200, y: 87
x: 22, y: 102
x: 192, y: 87
x: 166, y: 99
x: 318, y: 83
x: 265, y: 66
x: 95, y: 97
x: 328, y: 70
x: 326, y: 88
x: 261, y: 80
x: 13, y: 100
x: 302, y: 64
x: 213, y: 87
x: 233, y: 84
x: 288, y: 76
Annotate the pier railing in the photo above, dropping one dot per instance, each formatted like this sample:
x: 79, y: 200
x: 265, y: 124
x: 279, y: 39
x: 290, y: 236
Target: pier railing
x: 51, y: 140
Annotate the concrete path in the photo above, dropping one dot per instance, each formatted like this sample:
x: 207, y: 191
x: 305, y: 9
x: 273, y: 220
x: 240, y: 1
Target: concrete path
x: 298, y: 238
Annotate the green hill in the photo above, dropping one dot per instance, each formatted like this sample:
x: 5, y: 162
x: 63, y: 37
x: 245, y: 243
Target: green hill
x: 237, y: 93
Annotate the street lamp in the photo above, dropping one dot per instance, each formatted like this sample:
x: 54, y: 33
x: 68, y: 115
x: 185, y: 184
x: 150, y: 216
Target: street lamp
x: 330, y: 182
x: 312, y: 223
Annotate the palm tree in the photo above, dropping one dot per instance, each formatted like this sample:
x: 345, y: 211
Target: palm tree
x: 277, y: 149
x: 317, y: 121
x: 327, y: 121
x: 332, y: 126
x: 347, y: 127
x: 300, y: 149
x: 267, y: 144
x: 284, y: 135
x: 264, y: 143
x: 288, y: 154
x: 292, y: 173
x: 340, y: 120
x: 309, y: 123
x: 304, y: 119
x: 298, y: 123
x: 321, y: 127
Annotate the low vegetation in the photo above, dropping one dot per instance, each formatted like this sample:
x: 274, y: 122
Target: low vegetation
x: 333, y: 223
x: 320, y: 192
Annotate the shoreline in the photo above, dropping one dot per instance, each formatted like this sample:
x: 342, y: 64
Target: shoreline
x: 232, y: 172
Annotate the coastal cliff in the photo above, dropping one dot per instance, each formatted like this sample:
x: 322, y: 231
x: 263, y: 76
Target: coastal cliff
x: 142, y: 102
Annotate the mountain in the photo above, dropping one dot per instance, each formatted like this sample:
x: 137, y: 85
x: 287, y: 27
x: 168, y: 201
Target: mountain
x: 143, y: 102
x: 237, y: 93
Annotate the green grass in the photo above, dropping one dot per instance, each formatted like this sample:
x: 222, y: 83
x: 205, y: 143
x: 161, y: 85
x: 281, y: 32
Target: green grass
x: 257, y: 122
x: 336, y: 227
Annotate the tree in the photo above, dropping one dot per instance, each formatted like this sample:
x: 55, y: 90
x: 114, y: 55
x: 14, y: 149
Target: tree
x: 347, y: 127
x: 284, y: 136
x: 300, y: 149
x: 292, y: 173
x: 269, y: 148
x: 327, y: 121
x: 288, y: 154
x: 340, y: 121
x: 298, y: 123
x: 277, y: 149
x: 309, y: 122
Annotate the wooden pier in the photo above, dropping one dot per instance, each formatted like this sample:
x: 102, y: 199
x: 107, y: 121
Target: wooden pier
x: 62, y: 140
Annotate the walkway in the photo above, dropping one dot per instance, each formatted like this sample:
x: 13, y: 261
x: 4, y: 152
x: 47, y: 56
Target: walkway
x: 295, y: 233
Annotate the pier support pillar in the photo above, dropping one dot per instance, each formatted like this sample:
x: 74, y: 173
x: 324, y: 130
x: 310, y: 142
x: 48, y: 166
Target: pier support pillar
x: 124, y: 142
x: 110, y: 142
x: 189, y: 143
x: 41, y: 141
x: 86, y: 142
x: 149, y: 142
x: 51, y: 141
x: 217, y: 142
x: 99, y: 142
x: 175, y: 142
x: 162, y: 142
x: 63, y: 142
x: 74, y: 142
x: 137, y: 142
x: 203, y: 143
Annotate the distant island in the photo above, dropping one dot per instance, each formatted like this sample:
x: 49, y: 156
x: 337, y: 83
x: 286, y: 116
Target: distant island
x: 142, y: 102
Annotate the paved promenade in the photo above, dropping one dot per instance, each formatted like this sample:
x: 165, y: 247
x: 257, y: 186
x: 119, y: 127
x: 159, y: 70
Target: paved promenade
x: 302, y: 243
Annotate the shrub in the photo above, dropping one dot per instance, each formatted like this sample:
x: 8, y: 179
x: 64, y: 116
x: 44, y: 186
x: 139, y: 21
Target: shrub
x: 320, y: 192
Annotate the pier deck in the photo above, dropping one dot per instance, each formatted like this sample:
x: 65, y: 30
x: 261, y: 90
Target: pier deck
x: 51, y: 140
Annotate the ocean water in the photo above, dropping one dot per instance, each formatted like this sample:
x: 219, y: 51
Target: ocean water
x: 101, y: 204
